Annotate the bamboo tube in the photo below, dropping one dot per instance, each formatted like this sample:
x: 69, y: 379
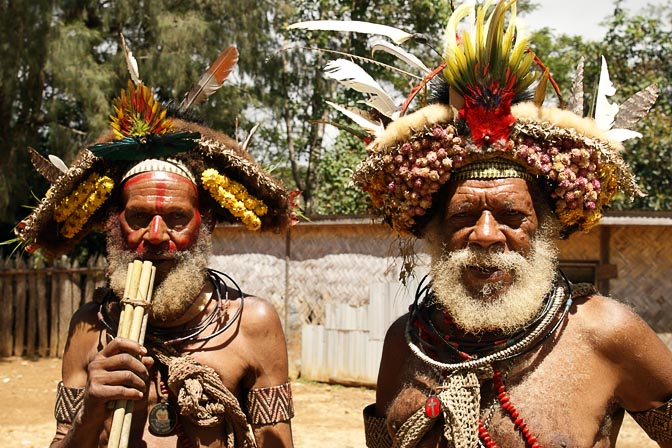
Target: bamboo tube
x: 132, y: 325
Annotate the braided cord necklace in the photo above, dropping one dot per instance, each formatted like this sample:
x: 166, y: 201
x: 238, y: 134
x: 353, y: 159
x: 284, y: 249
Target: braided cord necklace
x: 188, y: 334
x: 531, y: 337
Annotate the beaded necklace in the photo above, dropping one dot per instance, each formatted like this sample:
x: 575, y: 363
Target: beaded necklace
x: 427, y: 341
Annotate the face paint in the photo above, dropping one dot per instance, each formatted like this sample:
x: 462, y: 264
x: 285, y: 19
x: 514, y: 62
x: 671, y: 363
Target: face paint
x: 160, y: 214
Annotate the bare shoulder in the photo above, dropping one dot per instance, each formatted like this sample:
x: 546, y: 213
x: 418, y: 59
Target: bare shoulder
x: 397, y: 331
x: 608, y: 324
x: 259, y: 316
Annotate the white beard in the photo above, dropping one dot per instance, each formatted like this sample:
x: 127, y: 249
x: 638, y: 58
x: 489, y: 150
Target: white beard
x: 175, y: 293
x: 495, y: 307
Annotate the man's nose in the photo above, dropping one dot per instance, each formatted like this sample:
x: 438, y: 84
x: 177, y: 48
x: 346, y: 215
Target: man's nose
x: 487, y: 232
x: 157, y: 233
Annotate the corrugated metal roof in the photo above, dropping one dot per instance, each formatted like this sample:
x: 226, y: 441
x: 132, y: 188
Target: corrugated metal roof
x: 638, y: 218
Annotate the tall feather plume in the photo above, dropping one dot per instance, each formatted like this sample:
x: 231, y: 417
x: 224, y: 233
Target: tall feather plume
x: 397, y: 35
x: 51, y: 169
x: 352, y: 75
x: 131, y: 62
x: 211, y: 80
x: 576, y: 99
x: 489, y: 68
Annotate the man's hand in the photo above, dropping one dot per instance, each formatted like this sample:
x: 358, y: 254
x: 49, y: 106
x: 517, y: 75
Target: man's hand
x: 118, y: 372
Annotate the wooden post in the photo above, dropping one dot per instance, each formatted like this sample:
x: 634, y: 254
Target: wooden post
x: 31, y: 324
x: 20, y: 310
x: 42, y: 310
x: 7, y: 306
x: 54, y: 314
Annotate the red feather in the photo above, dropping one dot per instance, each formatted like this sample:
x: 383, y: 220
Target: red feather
x: 212, y: 79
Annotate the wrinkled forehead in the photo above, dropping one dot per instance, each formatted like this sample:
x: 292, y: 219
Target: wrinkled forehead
x: 159, y: 185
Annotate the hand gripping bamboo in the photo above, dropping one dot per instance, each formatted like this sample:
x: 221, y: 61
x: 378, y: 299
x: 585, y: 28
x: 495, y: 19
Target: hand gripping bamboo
x: 132, y: 325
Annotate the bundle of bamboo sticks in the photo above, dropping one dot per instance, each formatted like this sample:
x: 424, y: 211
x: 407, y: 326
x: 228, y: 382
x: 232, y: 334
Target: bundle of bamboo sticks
x: 132, y: 325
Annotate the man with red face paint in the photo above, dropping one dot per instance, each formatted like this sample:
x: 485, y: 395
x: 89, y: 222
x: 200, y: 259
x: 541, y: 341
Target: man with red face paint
x: 213, y: 368
x: 499, y: 348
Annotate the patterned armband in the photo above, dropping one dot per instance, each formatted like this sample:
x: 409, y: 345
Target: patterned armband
x: 375, y: 429
x: 269, y: 405
x: 68, y: 403
x: 657, y: 423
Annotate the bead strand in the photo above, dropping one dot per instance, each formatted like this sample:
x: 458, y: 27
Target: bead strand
x: 510, y: 409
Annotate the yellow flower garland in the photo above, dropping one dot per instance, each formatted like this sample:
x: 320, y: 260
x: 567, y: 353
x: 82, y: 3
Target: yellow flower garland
x: 75, y: 210
x: 234, y: 197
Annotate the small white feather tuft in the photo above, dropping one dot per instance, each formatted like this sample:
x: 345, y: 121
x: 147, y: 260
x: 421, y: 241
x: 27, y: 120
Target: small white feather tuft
x: 352, y: 75
x: 360, y: 117
x: 401, y: 54
x: 58, y: 163
x: 605, y: 112
x: 131, y: 62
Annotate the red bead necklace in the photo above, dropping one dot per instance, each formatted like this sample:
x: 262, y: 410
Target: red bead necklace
x: 510, y: 409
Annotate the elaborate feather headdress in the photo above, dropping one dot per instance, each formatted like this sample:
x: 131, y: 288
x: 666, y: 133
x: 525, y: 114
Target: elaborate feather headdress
x: 142, y: 129
x: 488, y: 121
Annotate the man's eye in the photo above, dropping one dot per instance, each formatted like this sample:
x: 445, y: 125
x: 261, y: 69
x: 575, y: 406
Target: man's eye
x: 139, y: 218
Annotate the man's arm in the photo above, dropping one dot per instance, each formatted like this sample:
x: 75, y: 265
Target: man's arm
x: 395, y: 355
x: 642, y: 361
x: 269, y: 394
x: 113, y: 373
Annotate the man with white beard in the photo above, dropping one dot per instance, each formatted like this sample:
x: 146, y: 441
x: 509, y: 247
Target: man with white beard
x: 213, y: 368
x: 499, y: 349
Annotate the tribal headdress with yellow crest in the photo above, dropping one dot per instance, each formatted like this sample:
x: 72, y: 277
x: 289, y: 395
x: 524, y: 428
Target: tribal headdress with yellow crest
x: 146, y: 137
x: 486, y: 121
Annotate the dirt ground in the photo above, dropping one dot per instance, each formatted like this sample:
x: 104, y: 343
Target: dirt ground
x: 327, y: 416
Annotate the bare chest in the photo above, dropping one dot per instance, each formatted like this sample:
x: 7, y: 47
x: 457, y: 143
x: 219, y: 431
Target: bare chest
x: 554, y: 399
x: 157, y: 420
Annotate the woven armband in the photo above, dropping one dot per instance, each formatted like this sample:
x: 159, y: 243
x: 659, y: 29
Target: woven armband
x: 657, y: 423
x: 269, y: 405
x: 375, y: 429
x: 68, y: 403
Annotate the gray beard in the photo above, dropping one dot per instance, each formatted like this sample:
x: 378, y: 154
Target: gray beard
x: 175, y: 293
x: 495, y: 307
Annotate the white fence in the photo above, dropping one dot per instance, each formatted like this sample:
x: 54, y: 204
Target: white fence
x: 348, y: 347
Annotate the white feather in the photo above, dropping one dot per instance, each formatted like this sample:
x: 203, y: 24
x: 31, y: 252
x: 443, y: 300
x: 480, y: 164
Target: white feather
x: 58, y: 163
x: 605, y: 112
x: 395, y: 34
x: 400, y: 53
x: 359, y: 117
x: 352, y: 75
x: 131, y: 62
x: 249, y: 136
x: 621, y: 135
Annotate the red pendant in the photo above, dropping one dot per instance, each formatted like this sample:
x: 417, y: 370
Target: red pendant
x: 432, y: 407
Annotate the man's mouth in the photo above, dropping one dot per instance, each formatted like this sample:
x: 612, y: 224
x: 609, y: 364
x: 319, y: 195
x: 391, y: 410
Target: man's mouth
x: 486, y: 273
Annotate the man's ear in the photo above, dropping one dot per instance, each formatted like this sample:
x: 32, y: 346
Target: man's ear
x: 208, y: 218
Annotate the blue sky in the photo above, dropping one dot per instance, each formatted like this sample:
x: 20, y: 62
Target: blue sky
x: 580, y: 17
